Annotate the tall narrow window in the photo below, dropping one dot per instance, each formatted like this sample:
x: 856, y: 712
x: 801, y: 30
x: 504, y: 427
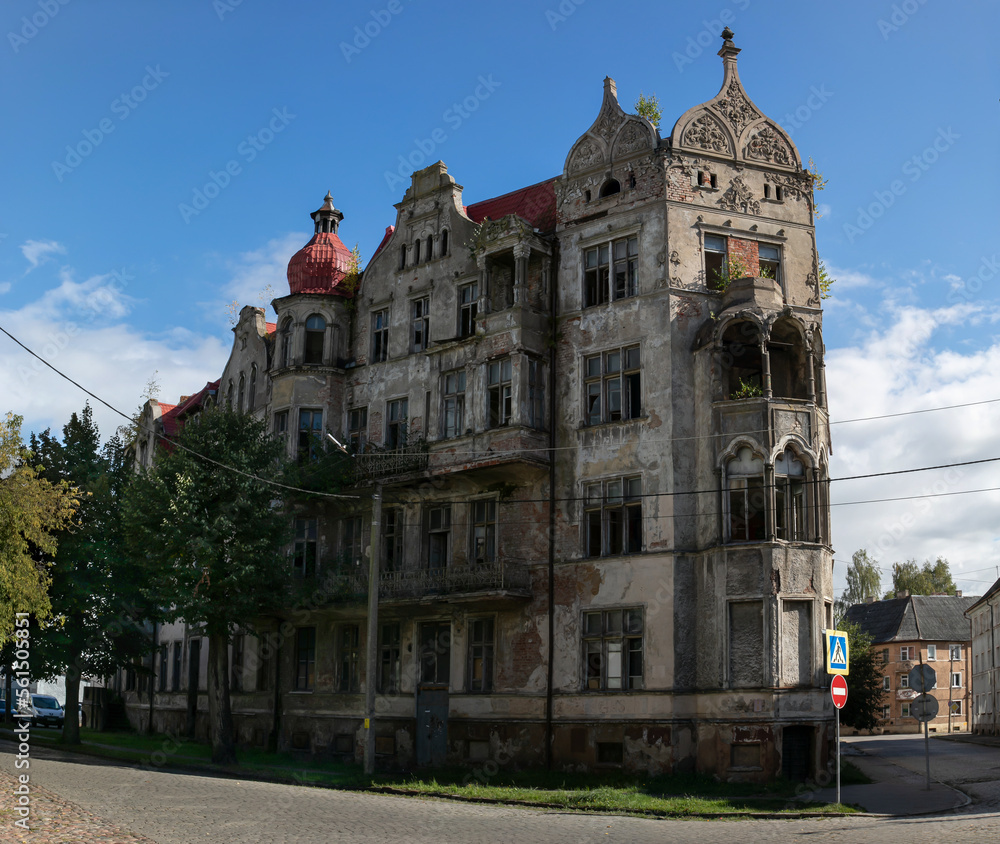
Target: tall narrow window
x: 395, y: 430
x: 484, y: 530
x: 789, y: 497
x: 770, y: 261
x: 454, y: 403
x: 281, y: 426
x: 354, y: 540
x: 439, y: 536
x: 612, y: 643
x: 392, y: 539
x: 596, y: 275
x: 536, y: 394
x: 745, y: 491
x: 252, y: 395
x: 349, y: 679
x: 444, y: 242
x: 430, y: 248
x: 357, y: 429
x: 613, y: 510
x: 419, y: 324
x: 241, y: 393
x: 285, y: 342
x: 380, y: 336
x: 305, y: 659
x: 468, y: 308
x: 402, y: 257
x: 500, y: 392
x: 304, y: 556
x: 435, y: 653
x: 391, y: 666
x: 310, y: 430
x: 315, y: 335
x: 229, y: 395
x: 164, y: 666
x: 716, y: 275
x: 416, y: 251
x: 480, y: 668
x: 626, y: 256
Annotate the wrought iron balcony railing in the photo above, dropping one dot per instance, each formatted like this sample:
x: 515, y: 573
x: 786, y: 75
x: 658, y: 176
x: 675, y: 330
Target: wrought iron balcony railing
x: 384, y: 462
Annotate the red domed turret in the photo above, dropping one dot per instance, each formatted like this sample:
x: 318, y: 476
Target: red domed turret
x: 324, y: 262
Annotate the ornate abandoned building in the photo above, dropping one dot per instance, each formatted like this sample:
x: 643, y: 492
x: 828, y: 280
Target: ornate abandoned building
x: 596, y: 408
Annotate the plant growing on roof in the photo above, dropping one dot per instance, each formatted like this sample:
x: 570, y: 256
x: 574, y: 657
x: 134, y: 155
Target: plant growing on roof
x: 649, y: 107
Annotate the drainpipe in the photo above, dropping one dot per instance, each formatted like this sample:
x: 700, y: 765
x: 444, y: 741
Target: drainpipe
x: 552, y: 516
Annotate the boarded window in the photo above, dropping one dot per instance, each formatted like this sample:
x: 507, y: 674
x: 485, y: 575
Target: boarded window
x: 796, y: 643
x: 746, y: 644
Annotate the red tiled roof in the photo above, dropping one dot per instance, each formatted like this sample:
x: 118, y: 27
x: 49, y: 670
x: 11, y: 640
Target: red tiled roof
x: 388, y: 233
x: 320, y: 266
x: 535, y: 203
x: 270, y: 327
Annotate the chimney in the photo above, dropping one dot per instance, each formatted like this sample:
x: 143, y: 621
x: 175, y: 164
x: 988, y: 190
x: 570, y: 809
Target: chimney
x: 871, y: 599
x: 958, y: 593
x: 904, y: 594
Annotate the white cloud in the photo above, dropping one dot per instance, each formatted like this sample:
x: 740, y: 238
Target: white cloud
x: 77, y: 327
x: 905, y: 366
x: 259, y: 276
x: 39, y: 251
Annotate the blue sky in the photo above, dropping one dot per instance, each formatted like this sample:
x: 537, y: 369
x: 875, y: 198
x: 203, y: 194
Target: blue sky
x: 119, y: 113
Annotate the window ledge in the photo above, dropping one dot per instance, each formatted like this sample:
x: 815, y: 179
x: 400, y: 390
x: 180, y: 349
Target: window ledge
x: 583, y: 426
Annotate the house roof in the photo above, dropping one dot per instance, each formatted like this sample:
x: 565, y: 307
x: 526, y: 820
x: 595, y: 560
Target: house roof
x: 535, y: 203
x: 385, y: 239
x: 931, y: 618
x: 991, y: 592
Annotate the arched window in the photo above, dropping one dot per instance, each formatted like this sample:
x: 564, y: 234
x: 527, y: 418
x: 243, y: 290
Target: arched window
x: 788, y: 360
x: 229, y: 395
x: 790, y: 497
x: 746, y: 502
x: 242, y: 392
x: 402, y: 257
x: 315, y: 334
x: 285, y: 343
x: 444, y: 242
x: 611, y: 186
x: 430, y: 248
x: 743, y: 366
x: 252, y: 397
x: 416, y: 251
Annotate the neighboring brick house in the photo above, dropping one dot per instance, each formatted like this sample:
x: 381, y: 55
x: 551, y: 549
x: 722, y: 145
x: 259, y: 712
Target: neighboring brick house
x: 915, y: 629
x: 984, y: 615
x: 598, y: 409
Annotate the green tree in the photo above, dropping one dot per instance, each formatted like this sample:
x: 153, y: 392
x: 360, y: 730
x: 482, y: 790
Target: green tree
x: 929, y: 579
x: 95, y: 592
x: 32, y: 511
x: 863, y: 710
x: 212, y: 540
x: 649, y: 107
x: 864, y: 581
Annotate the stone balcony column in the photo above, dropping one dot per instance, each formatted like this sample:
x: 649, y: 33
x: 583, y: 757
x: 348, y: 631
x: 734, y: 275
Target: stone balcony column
x: 521, y: 253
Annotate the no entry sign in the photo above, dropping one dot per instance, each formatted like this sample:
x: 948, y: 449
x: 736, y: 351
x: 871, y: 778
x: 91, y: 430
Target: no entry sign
x: 838, y: 691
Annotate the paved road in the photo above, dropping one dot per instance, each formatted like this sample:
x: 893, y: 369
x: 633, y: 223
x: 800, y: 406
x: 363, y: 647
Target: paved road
x: 972, y: 768
x: 176, y: 808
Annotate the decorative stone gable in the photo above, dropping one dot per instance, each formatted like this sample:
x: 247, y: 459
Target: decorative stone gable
x: 731, y: 126
x: 739, y: 198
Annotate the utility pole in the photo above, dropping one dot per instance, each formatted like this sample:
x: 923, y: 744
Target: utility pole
x: 371, y: 661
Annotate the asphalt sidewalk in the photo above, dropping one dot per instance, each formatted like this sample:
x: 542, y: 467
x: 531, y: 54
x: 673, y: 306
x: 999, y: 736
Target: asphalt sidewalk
x: 894, y: 791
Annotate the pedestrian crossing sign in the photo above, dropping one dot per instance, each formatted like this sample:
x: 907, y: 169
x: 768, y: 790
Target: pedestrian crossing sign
x: 837, y: 656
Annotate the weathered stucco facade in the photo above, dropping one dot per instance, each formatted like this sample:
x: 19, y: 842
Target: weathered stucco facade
x: 597, y: 410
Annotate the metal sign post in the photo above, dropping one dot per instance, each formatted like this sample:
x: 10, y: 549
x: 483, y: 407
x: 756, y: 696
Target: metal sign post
x: 924, y: 707
x: 837, y: 664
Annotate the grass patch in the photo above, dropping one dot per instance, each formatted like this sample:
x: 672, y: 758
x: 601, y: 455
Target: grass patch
x: 851, y: 774
x: 677, y: 795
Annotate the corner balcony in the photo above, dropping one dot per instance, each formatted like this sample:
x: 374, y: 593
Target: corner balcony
x: 383, y: 463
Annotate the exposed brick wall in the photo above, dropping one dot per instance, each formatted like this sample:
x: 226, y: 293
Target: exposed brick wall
x: 745, y: 251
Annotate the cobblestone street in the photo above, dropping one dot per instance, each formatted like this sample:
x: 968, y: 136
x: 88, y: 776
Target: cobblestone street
x: 118, y: 804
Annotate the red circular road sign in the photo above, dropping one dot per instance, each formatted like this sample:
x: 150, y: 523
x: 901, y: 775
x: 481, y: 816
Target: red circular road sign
x: 838, y: 691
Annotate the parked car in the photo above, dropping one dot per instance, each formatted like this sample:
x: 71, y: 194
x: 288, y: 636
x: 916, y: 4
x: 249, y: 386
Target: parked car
x: 43, y: 710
